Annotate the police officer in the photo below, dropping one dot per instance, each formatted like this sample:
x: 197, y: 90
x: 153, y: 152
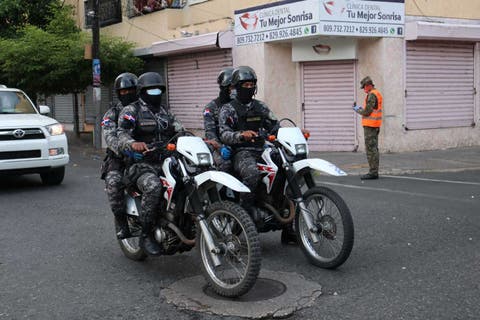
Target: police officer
x: 371, y: 122
x: 141, y: 124
x: 112, y: 169
x: 221, y: 154
x: 240, y: 121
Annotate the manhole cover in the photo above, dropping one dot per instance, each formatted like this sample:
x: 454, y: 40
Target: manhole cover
x: 263, y: 289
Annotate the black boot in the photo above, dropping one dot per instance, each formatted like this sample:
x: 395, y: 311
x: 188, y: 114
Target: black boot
x: 147, y: 241
x: 369, y: 176
x: 121, y: 223
x: 288, y: 235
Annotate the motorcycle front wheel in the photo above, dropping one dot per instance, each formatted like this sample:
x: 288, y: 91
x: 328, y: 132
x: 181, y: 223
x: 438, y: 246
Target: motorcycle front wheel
x: 235, y: 236
x: 334, y: 224
x: 130, y: 246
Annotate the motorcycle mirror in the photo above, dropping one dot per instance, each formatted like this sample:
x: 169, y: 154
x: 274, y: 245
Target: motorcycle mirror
x: 271, y: 138
x: 171, y: 147
x: 306, y: 135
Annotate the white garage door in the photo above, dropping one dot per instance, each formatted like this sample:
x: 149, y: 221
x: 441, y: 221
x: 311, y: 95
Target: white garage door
x: 192, y: 83
x: 328, y: 94
x: 439, y: 85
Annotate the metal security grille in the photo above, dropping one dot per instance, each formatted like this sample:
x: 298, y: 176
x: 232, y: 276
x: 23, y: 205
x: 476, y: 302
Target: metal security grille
x: 439, y: 85
x: 328, y: 94
x: 192, y: 83
x: 63, y: 108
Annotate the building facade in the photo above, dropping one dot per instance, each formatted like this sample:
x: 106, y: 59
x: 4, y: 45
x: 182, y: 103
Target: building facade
x: 423, y: 56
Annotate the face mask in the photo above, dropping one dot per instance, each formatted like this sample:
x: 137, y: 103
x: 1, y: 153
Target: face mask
x: 224, y: 95
x: 152, y: 100
x: 245, y: 95
x: 128, y: 98
x: 154, y: 92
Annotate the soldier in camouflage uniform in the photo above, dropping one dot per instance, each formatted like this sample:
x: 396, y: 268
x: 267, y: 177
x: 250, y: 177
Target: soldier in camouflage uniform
x: 141, y: 125
x: 371, y: 122
x: 240, y: 121
x: 221, y: 154
x: 112, y: 169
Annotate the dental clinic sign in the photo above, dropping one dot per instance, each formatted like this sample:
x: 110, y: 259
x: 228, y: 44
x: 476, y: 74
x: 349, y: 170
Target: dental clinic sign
x: 276, y: 21
x: 290, y: 19
x: 364, y: 18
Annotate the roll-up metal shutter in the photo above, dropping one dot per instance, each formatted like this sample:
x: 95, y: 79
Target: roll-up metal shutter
x: 439, y: 85
x: 192, y: 83
x: 63, y: 108
x: 328, y: 94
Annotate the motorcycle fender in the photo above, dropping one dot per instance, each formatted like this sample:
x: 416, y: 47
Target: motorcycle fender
x: 132, y: 208
x: 319, y: 165
x: 221, y: 178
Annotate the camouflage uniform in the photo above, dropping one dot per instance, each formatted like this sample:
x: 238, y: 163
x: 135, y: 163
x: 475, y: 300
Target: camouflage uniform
x: 234, y: 118
x: 113, y: 166
x: 210, y: 120
x: 137, y: 123
x: 371, y: 136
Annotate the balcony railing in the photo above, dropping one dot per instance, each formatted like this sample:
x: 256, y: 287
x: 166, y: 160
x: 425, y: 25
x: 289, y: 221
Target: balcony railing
x: 141, y: 7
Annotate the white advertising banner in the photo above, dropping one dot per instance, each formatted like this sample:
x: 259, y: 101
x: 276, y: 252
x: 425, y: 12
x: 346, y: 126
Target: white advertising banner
x: 291, y: 19
x: 276, y: 21
x: 364, y: 18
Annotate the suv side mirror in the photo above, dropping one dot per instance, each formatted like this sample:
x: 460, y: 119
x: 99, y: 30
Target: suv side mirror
x: 44, y: 109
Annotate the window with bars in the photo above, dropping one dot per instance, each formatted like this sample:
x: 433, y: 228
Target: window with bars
x: 110, y: 12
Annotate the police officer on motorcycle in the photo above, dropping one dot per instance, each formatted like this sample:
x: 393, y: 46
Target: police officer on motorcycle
x: 221, y: 154
x: 112, y: 169
x: 143, y: 126
x: 240, y: 121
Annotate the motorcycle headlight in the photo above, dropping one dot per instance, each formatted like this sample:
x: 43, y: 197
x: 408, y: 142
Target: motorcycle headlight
x: 301, y: 148
x: 55, y: 129
x: 203, y: 159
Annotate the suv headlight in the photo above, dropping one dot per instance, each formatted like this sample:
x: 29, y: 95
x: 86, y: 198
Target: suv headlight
x: 301, y: 148
x: 203, y: 159
x: 55, y: 129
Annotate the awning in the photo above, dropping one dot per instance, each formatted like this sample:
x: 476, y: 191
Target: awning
x: 422, y: 30
x: 222, y: 39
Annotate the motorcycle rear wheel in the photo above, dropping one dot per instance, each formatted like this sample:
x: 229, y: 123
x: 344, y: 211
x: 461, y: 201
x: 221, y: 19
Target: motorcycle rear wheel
x: 234, y: 232
x: 333, y: 220
x: 130, y: 246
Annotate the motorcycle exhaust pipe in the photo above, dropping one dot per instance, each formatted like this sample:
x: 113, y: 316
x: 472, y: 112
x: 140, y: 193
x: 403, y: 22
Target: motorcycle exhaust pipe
x: 277, y: 214
x: 179, y: 233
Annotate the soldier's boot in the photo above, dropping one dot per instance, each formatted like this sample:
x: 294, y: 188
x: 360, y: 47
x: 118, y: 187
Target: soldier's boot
x: 121, y: 223
x: 289, y: 235
x: 147, y: 241
x: 369, y: 176
x: 248, y: 203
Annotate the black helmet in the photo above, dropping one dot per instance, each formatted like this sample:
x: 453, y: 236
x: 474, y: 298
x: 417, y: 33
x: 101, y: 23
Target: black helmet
x: 126, y: 80
x: 243, y: 74
x: 151, y: 79
x: 224, y: 78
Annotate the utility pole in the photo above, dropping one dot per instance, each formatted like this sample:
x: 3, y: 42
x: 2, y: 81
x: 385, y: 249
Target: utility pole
x: 97, y: 91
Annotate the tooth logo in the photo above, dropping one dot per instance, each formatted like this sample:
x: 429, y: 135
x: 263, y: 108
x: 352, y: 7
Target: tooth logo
x: 334, y: 8
x: 249, y: 21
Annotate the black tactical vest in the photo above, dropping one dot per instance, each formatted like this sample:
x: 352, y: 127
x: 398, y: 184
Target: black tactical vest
x: 146, y: 129
x: 253, y: 119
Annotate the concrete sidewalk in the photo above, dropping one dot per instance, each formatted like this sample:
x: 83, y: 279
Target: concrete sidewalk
x: 354, y: 163
x: 455, y: 159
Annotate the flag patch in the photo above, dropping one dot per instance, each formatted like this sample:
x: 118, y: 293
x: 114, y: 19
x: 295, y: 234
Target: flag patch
x: 129, y: 117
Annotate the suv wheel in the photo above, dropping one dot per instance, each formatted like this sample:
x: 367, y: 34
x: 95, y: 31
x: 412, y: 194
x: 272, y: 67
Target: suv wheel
x: 53, y: 177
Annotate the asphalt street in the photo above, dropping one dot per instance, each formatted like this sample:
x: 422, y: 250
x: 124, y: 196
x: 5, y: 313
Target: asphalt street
x: 416, y: 252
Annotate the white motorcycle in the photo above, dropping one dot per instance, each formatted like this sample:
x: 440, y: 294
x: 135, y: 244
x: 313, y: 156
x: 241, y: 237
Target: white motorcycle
x: 322, y: 221
x: 192, y: 214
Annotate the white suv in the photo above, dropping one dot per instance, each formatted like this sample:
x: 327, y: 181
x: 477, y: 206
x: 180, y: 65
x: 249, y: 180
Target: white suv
x: 29, y: 141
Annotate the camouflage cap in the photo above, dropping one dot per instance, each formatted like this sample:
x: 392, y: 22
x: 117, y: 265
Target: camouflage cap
x: 365, y: 81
